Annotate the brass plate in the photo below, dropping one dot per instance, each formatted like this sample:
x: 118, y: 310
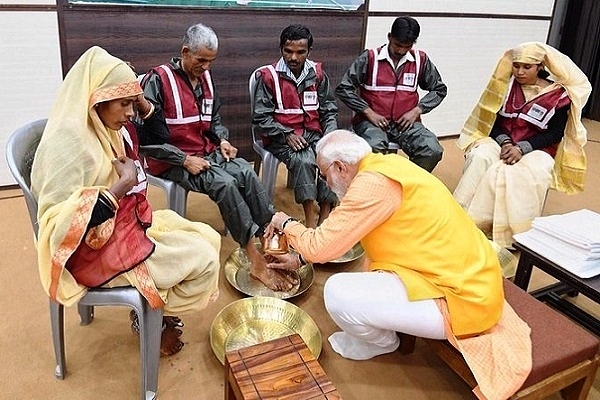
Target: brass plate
x: 255, y: 320
x: 353, y: 254
x: 237, y: 273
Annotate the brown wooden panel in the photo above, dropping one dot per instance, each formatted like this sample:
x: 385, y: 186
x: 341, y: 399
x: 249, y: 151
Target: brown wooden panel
x: 149, y: 36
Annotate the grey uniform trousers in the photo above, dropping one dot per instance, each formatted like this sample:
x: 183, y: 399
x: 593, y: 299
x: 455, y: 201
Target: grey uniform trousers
x: 303, y: 168
x: 234, y: 186
x: 420, y: 144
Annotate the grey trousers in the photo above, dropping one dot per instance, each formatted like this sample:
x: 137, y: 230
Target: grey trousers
x: 303, y: 168
x: 420, y: 144
x: 234, y: 186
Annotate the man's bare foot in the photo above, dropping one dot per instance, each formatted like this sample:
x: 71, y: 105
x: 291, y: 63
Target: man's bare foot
x: 169, y: 342
x: 310, y: 215
x: 324, y: 210
x: 272, y: 279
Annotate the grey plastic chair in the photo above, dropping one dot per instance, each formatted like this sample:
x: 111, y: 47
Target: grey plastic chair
x: 176, y: 194
x: 263, y: 156
x: 20, y: 151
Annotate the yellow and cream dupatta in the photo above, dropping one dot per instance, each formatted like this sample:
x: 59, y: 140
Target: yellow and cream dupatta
x: 73, y: 163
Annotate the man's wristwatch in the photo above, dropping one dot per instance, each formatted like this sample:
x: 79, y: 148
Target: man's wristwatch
x: 290, y: 219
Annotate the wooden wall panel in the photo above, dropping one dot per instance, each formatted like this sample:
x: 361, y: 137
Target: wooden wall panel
x: 149, y: 36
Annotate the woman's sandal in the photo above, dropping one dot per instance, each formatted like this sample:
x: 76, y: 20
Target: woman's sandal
x: 169, y: 341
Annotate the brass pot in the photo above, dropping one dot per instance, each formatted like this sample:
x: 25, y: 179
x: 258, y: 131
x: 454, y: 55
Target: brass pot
x: 276, y: 244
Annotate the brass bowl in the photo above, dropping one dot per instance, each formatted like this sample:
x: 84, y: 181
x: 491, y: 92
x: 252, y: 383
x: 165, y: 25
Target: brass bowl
x: 237, y: 273
x: 255, y: 320
x: 353, y: 254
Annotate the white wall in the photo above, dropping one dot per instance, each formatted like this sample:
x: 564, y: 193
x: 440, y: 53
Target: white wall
x: 31, y: 71
x: 506, y: 7
x: 464, y: 49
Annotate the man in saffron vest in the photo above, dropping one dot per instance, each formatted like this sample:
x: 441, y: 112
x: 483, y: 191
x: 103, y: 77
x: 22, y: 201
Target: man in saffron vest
x: 428, y: 271
x: 381, y: 88
x: 294, y: 106
x: 191, y: 147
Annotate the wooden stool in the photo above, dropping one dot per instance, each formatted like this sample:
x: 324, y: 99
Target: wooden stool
x: 279, y: 369
x: 565, y: 356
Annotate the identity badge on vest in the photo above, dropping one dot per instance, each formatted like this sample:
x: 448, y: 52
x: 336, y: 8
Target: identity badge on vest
x: 536, y: 111
x: 408, y: 79
x: 310, y: 98
x: 207, y: 106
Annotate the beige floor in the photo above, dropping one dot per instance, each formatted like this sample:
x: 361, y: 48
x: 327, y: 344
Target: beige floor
x: 103, y: 358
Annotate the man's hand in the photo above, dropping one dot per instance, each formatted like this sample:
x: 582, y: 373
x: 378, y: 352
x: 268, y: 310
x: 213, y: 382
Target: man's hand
x: 276, y: 222
x: 195, y: 165
x: 408, y: 119
x: 287, y: 261
x: 376, y: 119
x: 228, y: 151
x: 296, y: 142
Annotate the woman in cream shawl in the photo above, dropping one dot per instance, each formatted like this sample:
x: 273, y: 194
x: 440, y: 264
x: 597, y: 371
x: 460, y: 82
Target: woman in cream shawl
x: 86, y: 176
x: 524, y: 136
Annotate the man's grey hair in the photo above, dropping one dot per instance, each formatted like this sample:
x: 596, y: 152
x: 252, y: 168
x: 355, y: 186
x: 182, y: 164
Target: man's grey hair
x: 200, y: 35
x: 342, y: 145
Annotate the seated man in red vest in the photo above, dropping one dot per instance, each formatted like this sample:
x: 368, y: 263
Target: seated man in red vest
x: 192, y: 147
x: 294, y: 107
x: 381, y: 88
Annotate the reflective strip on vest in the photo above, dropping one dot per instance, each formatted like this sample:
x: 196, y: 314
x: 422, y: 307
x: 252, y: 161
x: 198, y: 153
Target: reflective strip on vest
x: 180, y: 119
x: 376, y: 88
x: 280, y: 109
x: 542, y: 124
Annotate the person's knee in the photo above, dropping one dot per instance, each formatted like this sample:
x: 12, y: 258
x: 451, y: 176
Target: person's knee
x: 334, y: 292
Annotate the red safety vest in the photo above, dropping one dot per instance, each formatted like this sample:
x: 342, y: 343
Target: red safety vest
x: 386, y: 93
x: 298, y: 111
x: 526, y: 119
x: 188, y: 123
x: 128, y: 245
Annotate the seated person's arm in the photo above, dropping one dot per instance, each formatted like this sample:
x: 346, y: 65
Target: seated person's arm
x: 346, y: 91
x: 154, y: 129
x: 328, y: 109
x: 217, y: 129
x: 264, y: 108
x: 431, y: 81
x: 499, y: 135
x: 553, y: 134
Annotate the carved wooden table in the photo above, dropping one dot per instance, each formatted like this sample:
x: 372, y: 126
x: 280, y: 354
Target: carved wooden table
x: 279, y: 369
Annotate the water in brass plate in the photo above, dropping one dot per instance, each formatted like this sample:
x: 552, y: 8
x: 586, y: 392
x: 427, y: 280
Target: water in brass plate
x: 237, y: 273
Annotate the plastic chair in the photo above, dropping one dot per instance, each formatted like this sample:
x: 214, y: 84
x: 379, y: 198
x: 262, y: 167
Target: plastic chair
x: 176, y: 194
x: 20, y: 151
x: 263, y: 156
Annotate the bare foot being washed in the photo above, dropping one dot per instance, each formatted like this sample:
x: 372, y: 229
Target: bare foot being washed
x: 272, y: 279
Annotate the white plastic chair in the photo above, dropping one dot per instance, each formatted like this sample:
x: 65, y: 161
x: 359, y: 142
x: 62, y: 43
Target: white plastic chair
x: 20, y: 151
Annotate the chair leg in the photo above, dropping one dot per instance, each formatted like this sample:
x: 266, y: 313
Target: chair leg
x: 86, y: 314
x: 150, y: 321
x: 58, y: 338
x: 257, y: 163
x: 407, y: 343
x: 177, y: 200
x: 269, y: 174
